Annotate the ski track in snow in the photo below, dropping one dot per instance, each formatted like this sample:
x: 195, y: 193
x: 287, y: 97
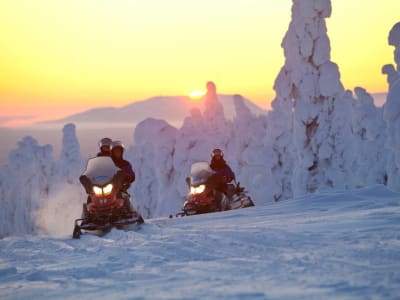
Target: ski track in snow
x: 332, y: 246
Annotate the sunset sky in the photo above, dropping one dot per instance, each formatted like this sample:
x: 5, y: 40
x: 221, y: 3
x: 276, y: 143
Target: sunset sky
x: 62, y: 57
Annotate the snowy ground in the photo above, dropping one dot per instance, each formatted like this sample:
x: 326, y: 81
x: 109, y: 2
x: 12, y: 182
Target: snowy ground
x: 336, y: 246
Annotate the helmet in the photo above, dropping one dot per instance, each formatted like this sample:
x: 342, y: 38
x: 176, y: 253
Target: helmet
x: 116, y: 144
x: 105, y: 142
x: 217, y: 152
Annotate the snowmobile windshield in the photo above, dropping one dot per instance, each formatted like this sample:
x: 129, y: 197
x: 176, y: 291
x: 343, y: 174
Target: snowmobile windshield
x: 199, y: 173
x: 100, y: 170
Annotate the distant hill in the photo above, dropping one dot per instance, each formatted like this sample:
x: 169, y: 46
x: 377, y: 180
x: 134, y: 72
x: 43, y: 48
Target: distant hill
x: 170, y: 108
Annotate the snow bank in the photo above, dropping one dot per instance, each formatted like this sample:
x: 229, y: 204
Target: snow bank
x: 323, y: 246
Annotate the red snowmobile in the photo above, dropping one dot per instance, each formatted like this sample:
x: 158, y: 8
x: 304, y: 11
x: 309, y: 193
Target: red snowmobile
x: 108, y: 203
x: 204, y: 198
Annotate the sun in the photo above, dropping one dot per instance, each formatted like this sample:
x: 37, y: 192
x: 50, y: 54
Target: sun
x: 196, y: 95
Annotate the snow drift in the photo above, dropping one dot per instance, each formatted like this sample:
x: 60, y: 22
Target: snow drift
x: 322, y: 246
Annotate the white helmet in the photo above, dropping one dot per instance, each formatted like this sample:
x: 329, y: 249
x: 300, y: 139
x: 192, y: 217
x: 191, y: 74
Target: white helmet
x: 116, y: 144
x: 105, y: 142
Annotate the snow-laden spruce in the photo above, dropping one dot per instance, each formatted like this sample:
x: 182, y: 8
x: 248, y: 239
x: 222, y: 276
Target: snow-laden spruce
x: 391, y: 112
x: 37, y: 192
x: 25, y: 183
x: 322, y: 111
x: 368, y: 137
x: 71, y: 163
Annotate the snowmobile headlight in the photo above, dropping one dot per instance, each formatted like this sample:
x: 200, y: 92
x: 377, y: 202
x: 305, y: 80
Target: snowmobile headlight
x: 98, y: 191
x: 197, y: 190
x: 107, y: 189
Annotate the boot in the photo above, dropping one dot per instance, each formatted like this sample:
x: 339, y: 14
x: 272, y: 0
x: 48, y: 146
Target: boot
x: 218, y: 198
x: 127, y: 200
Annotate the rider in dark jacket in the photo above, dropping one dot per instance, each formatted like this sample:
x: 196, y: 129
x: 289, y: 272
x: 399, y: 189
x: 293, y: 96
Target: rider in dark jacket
x: 223, y: 175
x: 219, y: 165
x: 126, y: 175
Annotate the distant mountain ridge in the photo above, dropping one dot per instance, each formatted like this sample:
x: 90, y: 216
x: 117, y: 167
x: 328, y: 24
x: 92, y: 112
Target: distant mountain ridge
x: 173, y: 109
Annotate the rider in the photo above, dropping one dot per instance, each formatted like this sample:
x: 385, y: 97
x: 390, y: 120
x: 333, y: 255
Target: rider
x: 105, y: 150
x: 105, y: 147
x: 223, y: 175
x: 126, y: 175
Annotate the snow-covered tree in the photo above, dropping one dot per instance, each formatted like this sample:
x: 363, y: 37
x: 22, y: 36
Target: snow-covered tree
x: 66, y: 195
x: 71, y: 164
x: 245, y: 151
x: 279, y: 144
x: 322, y: 122
x: 214, y: 112
x: 152, y: 156
x: 369, y: 165
x: 25, y: 183
x: 391, y: 113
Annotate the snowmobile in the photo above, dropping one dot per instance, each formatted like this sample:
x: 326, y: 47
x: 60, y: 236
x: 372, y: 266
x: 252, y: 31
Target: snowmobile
x: 203, y: 198
x: 108, y: 204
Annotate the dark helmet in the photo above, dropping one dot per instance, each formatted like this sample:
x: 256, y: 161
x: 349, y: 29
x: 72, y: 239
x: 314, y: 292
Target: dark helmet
x: 217, y: 152
x: 105, y: 142
x: 116, y: 144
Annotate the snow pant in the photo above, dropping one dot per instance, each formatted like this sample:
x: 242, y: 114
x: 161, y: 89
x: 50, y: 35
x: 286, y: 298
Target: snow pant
x: 122, y: 182
x: 218, y: 184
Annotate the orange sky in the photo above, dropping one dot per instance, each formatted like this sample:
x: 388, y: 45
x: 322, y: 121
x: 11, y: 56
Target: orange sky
x: 61, y: 57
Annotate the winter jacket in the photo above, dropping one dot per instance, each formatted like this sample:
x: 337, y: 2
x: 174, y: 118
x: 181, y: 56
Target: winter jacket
x: 103, y: 154
x: 224, y: 170
x: 125, y: 166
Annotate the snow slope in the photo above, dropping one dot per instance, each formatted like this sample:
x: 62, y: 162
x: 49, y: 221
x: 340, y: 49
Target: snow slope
x: 324, y: 246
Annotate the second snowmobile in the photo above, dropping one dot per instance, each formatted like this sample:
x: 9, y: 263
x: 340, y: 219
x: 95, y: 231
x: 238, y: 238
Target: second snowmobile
x: 203, y: 197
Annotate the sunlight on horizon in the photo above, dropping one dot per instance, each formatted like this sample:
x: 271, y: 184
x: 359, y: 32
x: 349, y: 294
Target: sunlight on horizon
x: 196, y: 95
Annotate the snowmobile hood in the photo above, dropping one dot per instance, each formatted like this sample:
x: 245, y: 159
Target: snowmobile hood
x: 100, y: 170
x: 200, y: 172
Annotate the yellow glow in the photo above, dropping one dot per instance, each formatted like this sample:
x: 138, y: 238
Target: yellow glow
x: 107, y: 189
x: 66, y: 56
x: 196, y: 95
x: 98, y: 191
